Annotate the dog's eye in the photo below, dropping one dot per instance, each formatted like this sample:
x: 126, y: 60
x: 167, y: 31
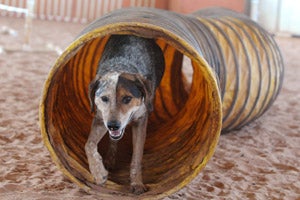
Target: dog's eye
x: 105, y: 99
x: 126, y: 99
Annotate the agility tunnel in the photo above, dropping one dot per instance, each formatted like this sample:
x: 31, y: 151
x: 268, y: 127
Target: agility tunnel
x: 237, y: 74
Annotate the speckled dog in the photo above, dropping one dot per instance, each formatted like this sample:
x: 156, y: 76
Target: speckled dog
x: 122, y: 92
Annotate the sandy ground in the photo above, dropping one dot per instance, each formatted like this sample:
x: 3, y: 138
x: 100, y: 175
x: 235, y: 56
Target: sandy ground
x: 261, y: 161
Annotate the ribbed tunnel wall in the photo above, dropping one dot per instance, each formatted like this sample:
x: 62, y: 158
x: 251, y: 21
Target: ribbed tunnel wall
x: 237, y: 73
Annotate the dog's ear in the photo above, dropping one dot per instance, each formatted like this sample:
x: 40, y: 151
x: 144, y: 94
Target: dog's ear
x: 145, y: 87
x: 92, y: 91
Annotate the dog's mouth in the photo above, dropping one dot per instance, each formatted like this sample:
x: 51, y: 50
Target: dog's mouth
x: 116, y: 135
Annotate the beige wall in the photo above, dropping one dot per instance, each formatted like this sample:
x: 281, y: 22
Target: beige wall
x: 188, y: 6
x: 88, y: 10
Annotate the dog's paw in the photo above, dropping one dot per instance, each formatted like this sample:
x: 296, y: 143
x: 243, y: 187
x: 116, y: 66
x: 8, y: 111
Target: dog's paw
x: 100, y: 175
x: 138, y: 188
x: 100, y: 179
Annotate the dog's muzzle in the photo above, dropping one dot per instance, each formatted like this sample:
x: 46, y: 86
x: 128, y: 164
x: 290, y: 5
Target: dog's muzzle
x: 115, y: 133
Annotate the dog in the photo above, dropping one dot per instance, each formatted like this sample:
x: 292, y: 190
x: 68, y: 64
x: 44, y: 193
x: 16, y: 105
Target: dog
x: 122, y: 93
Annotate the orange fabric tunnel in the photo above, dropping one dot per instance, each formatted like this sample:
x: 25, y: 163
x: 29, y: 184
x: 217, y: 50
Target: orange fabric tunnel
x: 237, y: 74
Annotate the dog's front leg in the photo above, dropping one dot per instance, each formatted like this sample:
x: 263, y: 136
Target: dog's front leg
x: 138, y: 140
x: 96, y: 166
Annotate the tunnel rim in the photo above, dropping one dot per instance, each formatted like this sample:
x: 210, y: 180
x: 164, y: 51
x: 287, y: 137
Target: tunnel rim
x: 124, y: 28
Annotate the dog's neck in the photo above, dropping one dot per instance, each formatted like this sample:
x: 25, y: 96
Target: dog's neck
x: 122, y: 65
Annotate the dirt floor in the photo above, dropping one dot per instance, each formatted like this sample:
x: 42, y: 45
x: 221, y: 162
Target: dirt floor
x: 260, y: 161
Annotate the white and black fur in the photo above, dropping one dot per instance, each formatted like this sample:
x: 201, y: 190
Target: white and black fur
x: 122, y: 92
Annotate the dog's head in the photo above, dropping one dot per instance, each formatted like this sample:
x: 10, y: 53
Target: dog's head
x: 119, y: 99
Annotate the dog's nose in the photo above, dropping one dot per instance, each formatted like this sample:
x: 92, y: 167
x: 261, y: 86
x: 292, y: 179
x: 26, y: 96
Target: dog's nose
x: 113, y: 125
